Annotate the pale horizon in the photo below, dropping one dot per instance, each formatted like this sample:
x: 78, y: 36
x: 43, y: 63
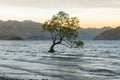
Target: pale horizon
x: 94, y: 13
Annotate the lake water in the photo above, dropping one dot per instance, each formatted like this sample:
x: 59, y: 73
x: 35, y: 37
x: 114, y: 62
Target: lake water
x: 98, y: 60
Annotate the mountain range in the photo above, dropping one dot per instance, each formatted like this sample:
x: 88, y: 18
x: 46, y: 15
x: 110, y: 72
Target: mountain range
x: 31, y: 30
x: 111, y: 34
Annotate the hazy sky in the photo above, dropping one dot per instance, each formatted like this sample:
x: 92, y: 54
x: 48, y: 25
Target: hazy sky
x: 91, y: 13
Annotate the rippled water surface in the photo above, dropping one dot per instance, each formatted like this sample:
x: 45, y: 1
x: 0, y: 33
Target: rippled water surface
x: 98, y: 60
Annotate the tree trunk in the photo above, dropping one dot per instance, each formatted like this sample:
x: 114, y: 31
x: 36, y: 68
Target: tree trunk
x: 52, y: 48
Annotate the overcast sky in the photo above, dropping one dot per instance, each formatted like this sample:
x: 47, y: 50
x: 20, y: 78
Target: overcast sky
x: 62, y: 3
x: 92, y: 13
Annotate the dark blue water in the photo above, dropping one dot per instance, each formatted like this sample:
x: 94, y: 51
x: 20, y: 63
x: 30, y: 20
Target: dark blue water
x: 98, y: 60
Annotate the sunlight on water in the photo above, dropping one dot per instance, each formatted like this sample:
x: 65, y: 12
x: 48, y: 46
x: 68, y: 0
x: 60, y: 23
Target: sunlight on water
x: 98, y: 60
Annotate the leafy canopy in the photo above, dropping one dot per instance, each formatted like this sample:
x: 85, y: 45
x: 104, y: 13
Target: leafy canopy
x: 63, y: 28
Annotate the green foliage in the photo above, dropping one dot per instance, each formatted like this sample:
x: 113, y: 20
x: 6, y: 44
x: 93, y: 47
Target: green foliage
x: 63, y: 28
x: 79, y: 44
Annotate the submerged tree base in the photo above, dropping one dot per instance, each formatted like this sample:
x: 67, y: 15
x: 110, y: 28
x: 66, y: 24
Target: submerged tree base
x: 51, y: 51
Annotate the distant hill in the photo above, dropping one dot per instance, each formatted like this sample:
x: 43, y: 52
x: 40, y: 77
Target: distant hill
x: 111, y: 34
x: 90, y: 33
x: 27, y: 28
x: 38, y: 38
x: 16, y: 38
x: 31, y: 30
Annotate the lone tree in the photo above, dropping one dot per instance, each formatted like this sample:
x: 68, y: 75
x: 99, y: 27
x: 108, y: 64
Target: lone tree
x: 63, y: 30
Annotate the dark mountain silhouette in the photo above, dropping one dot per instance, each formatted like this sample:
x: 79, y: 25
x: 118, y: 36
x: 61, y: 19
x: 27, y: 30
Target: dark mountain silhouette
x: 32, y: 30
x: 111, y: 34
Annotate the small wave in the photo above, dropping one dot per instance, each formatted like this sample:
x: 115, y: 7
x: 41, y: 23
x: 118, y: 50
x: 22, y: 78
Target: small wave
x: 116, y: 63
x: 47, y: 62
x: 62, y: 58
x: 2, y: 58
x: 19, y: 73
x: 59, y: 70
x: 10, y: 51
x: 51, y: 74
x: 107, y: 71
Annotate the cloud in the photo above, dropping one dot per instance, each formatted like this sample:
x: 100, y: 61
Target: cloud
x: 62, y: 3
